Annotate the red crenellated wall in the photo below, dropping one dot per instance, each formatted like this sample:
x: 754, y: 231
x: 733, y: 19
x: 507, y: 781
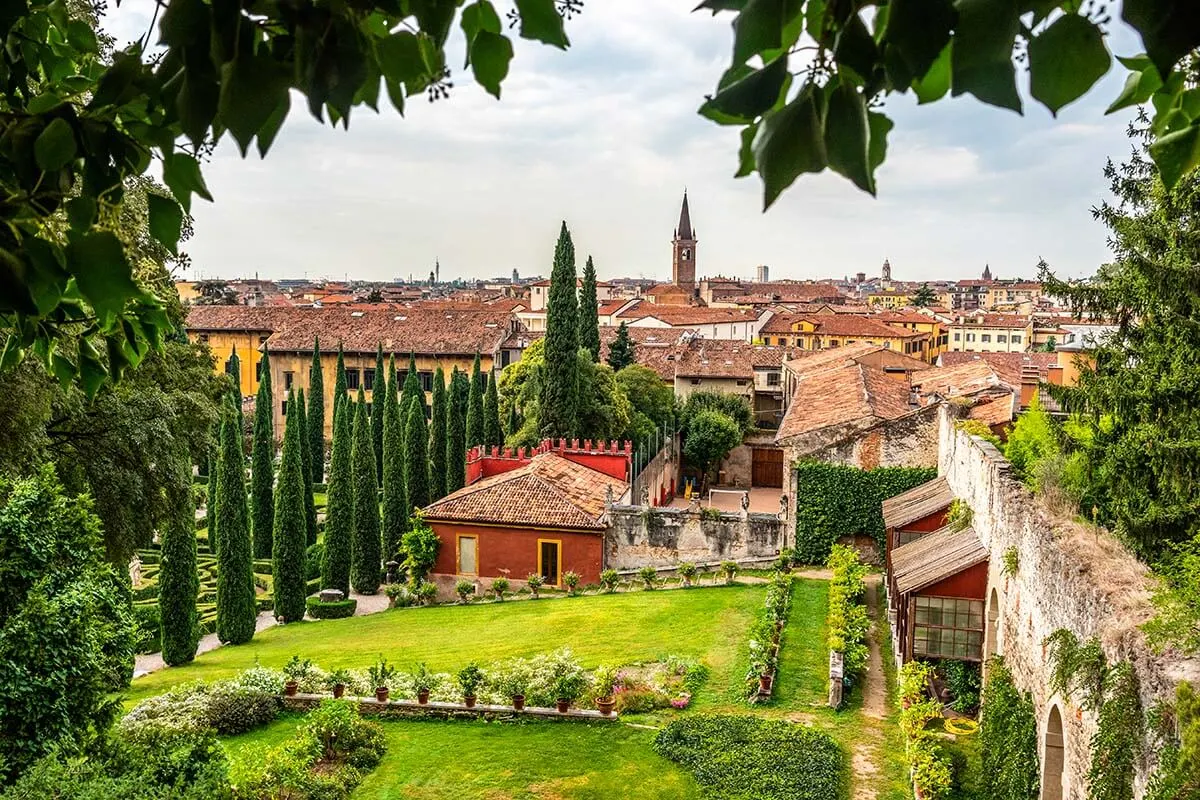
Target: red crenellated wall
x: 516, y: 550
x: 611, y: 458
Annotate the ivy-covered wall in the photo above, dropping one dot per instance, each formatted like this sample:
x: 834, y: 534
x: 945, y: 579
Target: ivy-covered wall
x: 833, y: 501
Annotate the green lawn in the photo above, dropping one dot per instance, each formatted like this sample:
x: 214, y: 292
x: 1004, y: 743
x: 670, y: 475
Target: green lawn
x: 708, y: 624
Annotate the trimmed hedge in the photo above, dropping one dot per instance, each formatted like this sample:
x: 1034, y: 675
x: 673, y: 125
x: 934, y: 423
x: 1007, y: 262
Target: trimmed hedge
x: 741, y: 756
x: 337, y: 609
x: 147, y: 626
x: 833, y: 501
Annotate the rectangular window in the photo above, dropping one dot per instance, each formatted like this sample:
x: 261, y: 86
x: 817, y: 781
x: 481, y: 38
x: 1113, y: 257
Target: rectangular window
x: 774, y: 378
x: 369, y: 378
x: 970, y: 337
x: 283, y: 408
x: 947, y: 627
x: 985, y: 337
x: 288, y: 377
x: 957, y: 337
x: 468, y: 555
x: 1016, y: 338
x: 204, y: 337
x: 426, y: 381
x: 351, y: 379
x: 695, y: 381
x: 1000, y: 337
x: 741, y: 383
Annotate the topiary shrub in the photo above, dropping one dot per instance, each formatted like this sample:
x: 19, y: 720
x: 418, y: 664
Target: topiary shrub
x: 336, y: 609
x: 233, y: 709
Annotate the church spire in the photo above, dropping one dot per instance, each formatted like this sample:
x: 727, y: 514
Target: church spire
x: 684, y: 231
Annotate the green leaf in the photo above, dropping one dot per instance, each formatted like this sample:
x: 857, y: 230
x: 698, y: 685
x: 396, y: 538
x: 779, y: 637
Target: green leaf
x: 181, y: 174
x: 55, y: 146
x: 63, y: 368
x: 721, y: 5
x: 395, y: 93
x: 1066, y: 60
x: 1135, y: 63
x: 1170, y: 29
x: 759, y: 27
x: 745, y: 99
x: 166, y: 221
x: 480, y: 16
x: 746, y: 151
x: 1139, y: 87
x: 435, y: 17
x: 197, y: 103
x: 855, y: 48
x: 847, y: 136
x: 919, y: 31
x: 101, y: 270
x: 880, y: 125
x: 81, y: 212
x: 252, y: 87
x: 936, y: 82
x: 400, y: 59
x: 1177, y: 153
x: 15, y: 293
x: 790, y: 142
x: 490, y: 54
x: 267, y: 133
x: 46, y: 278
x: 81, y: 36
x: 91, y: 369
x: 541, y: 22
x: 981, y: 62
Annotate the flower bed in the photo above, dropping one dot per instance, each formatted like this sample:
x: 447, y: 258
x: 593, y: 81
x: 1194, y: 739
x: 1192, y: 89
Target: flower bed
x: 848, y: 622
x: 929, y: 763
x: 766, y: 636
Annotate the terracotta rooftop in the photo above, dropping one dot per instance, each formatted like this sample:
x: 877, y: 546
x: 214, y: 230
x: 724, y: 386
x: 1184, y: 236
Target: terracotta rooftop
x: 715, y: 359
x: 808, y: 361
x: 548, y: 492
x: 237, y: 318
x: 1006, y: 365
x: 688, y: 315
x: 854, y: 325
x: 842, y: 395
x: 917, y: 503
x: 964, y: 378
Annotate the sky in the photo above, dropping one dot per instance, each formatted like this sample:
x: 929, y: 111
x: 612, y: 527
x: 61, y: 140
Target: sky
x: 606, y: 137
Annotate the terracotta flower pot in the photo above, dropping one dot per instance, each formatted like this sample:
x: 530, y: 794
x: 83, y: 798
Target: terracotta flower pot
x: 339, y: 689
x: 381, y: 694
x: 518, y: 701
x: 290, y: 688
x: 764, y: 684
x: 469, y: 700
x: 562, y: 705
x: 605, y: 705
x: 423, y: 696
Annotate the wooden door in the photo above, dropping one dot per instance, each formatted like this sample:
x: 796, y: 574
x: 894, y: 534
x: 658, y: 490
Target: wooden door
x: 767, y: 467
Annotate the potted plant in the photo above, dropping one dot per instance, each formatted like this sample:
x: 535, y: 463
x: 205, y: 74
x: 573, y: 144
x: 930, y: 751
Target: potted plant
x: 571, y: 581
x: 730, y: 568
x: 381, y: 674
x: 464, y: 589
x: 609, y: 580
x: 422, y: 681
x: 604, y: 679
x: 500, y: 588
x: 513, y: 682
x: 568, y: 685
x: 397, y: 595
x: 296, y: 671
x: 535, y: 583
x: 470, y: 678
x: 426, y: 592
x: 337, y: 681
x: 687, y: 571
x: 649, y: 576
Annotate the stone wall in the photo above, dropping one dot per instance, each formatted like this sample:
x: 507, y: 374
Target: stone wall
x: 663, y: 537
x: 1069, y: 576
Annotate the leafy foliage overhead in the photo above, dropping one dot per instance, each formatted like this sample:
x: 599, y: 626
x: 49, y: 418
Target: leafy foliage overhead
x: 807, y: 76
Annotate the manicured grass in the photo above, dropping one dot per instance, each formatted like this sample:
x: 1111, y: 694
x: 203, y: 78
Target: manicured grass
x: 803, y: 677
x: 703, y: 623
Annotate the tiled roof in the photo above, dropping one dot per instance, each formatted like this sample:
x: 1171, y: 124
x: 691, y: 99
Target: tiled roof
x: 904, y: 316
x: 964, y: 378
x: 609, y: 306
x: 917, y: 503
x: 236, y: 318
x: 688, y: 315
x: 548, y: 492
x: 809, y: 361
x: 935, y: 557
x: 1006, y: 365
x: 843, y: 395
x: 853, y: 325
x: 715, y: 359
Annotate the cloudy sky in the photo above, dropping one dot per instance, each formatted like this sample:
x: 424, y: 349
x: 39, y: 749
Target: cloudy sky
x: 606, y: 136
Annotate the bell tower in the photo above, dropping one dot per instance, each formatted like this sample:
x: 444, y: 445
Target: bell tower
x: 683, y: 261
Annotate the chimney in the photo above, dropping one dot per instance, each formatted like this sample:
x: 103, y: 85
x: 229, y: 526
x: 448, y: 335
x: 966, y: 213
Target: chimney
x: 1030, y: 378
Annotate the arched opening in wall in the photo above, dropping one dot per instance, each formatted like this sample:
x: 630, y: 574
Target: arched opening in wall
x: 991, y: 635
x: 1053, y: 754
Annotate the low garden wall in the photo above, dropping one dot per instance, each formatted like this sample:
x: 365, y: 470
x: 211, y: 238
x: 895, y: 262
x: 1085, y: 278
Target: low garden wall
x: 436, y: 710
x: 638, y: 537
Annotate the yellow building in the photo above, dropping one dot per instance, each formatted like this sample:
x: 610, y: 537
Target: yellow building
x: 991, y: 333
x: 188, y: 293
x: 434, y: 336
x: 823, y: 331
x: 1014, y: 294
x: 889, y: 299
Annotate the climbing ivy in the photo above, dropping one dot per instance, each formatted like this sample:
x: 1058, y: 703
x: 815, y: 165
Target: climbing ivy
x: 1117, y: 742
x: 1077, y: 671
x: 834, y: 501
x: 1008, y: 735
x: 1178, y: 773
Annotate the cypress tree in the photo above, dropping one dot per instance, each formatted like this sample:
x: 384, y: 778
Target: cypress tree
x: 310, y: 506
x: 493, y: 434
x: 475, y: 407
x: 210, y: 507
x: 558, y: 401
x: 620, y: 352
x: 395, y: 503
x: 262, y: 465
x: 437, y: 438
x: 316, y: 415
x: 412, y: 387
x: 339, y: 510
x: 589, y: 320
x: 178, y: 582
x: 378, y: 387
x: 235, y: 372
x: 290, y: 533
x: 456, y: 431
x: 416, y: 458
x: 514, y: 421
x: 339, y: 381
x: 365, y: 543
x: 236, y: 606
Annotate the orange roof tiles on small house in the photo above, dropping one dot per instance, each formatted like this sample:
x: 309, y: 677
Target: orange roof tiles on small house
x: 850, y: 394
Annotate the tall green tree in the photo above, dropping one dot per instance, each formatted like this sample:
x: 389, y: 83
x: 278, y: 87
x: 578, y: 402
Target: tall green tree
x: 559, y: 401
x: 514, y: 421
x: 365, y: 543
x: 412, y: 386
x: 291, y: 529
x: 456, y: 431
x: 339, y: 380
x: 178, y: 581
x: 589, y: 320
x: 378, y: 386
x: 339, y: 509
x: 236, y: 606
x: 297, y: 406
x: 316, y: 414
x: 438, y: 430
x: 493, y: 434
x: 621, y: 353
x: 475, y: 407
x: 235, y: 375
x: 262, y: 464
x: 395, y: 502
x: 924, y: 297
x: 416, y: 458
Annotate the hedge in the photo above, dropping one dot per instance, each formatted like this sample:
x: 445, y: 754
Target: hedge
x: 742, y: 756
x: 336, y: 609
x: 148, y: 627
x: 833, y: 501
